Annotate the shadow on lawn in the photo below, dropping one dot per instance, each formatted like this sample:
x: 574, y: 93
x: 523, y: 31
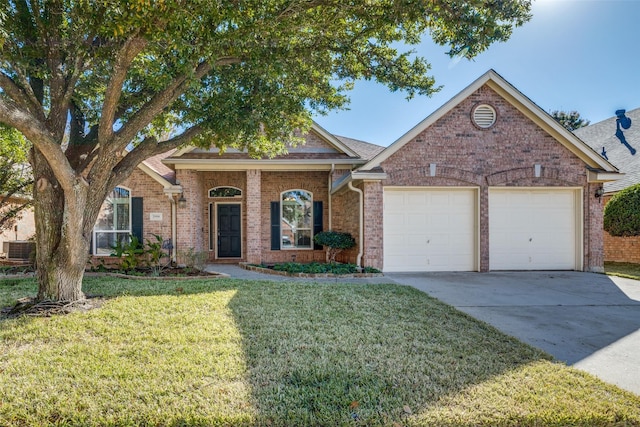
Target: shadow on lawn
x: 338, y: 354
x: 315, y: 353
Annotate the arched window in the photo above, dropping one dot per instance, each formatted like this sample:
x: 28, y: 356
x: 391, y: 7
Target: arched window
x: 225, y: 192
x: 114, y: 221
x: 296, y: 215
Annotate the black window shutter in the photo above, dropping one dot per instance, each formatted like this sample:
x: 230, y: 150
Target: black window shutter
x: 275, y: 226
x: 317, y: 221
x: 137, y: 217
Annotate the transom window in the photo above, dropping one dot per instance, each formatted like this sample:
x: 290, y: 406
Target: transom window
x: 225, y: 192
x: 296, y: 219
x: 114, y: 222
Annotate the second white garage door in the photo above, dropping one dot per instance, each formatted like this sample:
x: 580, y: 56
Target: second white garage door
x: 533, y: 229
x: 430, y: 229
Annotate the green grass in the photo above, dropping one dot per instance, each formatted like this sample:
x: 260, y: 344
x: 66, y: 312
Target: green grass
x: 622, y: 269
x: 225, y: 352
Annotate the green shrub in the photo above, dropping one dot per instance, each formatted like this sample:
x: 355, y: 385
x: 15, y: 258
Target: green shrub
x: 622, y: 213
x: 335, y: 242
x: 316, y: 268
x: 155, y: 254
x: 130, y: 252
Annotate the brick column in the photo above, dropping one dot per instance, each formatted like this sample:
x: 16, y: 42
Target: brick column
x: 190, y: 220
x: 484, y: 229
x: 373, y: 249
x: 593, y: 255
x: 254, y: 217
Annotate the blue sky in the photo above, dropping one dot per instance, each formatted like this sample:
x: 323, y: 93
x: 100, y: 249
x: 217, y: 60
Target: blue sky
x: 579, y: 55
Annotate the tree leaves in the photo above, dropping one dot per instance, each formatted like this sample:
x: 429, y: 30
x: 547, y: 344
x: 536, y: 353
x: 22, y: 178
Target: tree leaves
x: 622, y: 213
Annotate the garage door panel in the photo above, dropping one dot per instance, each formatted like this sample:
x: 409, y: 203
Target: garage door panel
x: 429, y: 230
x: 532, y: 229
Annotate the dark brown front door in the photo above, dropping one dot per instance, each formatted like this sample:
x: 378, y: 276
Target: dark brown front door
x: 229, y: 222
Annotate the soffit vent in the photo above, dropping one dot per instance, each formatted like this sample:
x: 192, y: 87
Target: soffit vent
x: 484, y: 116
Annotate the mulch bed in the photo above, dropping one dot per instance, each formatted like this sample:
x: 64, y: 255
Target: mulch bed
x: 173, y: 273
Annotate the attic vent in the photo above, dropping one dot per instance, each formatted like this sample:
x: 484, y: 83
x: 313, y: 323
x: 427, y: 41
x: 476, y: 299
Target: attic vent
x: 484, y: 116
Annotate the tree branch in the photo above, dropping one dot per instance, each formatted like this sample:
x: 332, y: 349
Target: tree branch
x: 57, y: 118
x: 131, y: 48
x: 155, y: 105
x: 19, y: 95
x: 148, y: 148
x: 38, y: 134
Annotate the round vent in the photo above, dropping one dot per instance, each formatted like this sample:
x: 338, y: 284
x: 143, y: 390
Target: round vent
x: 484, y: 116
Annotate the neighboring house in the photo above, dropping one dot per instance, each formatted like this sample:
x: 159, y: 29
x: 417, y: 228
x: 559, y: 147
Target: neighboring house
x: 602, y: 136
x: 22, y: 230
x: 487, y: 182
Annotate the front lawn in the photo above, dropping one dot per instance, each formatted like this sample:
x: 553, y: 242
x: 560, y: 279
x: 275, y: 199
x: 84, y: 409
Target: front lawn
x: 622, y: 269
x: 228, y: 352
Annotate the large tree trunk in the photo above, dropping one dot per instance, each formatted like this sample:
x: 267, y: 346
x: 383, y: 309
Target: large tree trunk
x: 62, y: 243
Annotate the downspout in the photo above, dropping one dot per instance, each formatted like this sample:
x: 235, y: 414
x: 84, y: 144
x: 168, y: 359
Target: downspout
x: 174, y: 231
x: 361, y: 234
x: 330, y: 181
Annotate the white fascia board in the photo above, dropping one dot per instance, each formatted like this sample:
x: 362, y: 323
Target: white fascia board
x: 369, y: 176
x: 331, y: 139
x: 603, y: 176
x: 358, y: 176
x: 174, y: 189
x: 279, y: 164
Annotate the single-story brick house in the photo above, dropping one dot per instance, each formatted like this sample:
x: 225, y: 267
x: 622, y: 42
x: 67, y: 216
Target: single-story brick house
x: 608, y: 138
x: 489, y: 181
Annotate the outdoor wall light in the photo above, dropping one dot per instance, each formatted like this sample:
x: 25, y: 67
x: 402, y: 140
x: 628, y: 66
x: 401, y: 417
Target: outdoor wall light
x: 599, y: 193
x: 182, y: 202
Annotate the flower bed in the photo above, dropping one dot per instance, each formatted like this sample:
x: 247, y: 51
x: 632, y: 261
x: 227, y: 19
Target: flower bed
x: 313, y: 270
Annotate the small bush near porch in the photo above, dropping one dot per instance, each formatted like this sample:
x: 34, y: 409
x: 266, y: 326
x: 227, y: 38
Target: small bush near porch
x: 231, y: 352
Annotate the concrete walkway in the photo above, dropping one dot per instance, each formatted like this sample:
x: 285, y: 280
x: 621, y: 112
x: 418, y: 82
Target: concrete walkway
x: 590, y: 321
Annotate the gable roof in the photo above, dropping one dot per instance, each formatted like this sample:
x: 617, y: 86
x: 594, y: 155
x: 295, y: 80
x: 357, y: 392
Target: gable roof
x: 333, y: 141
x: 602, y: 135
x: 160, y: 172
x: 365, y: 150
x: 496, y: 82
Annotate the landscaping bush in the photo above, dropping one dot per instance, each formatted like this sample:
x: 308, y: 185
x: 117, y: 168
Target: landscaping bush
x: 335, y: 242
x: 622, y: 213
x: 319, y: 268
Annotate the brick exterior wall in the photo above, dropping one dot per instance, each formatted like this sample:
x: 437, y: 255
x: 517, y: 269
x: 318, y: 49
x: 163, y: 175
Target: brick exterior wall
x: 259, y: 189
x: 272, y: 185
x: 503, y: 155
x: 191, y: 220
x: 254, y: 216
x: 154, y: 201
x: 620, y: 249
x: 210, y: 180
x: 373, y: 221
x: 345, y: 219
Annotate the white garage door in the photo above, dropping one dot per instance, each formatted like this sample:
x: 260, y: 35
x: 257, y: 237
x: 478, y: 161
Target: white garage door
x: 533, y: 229
x: 430, y: 229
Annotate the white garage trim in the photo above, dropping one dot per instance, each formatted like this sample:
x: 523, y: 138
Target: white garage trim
x: 533, y: 228
x: 431, y: 229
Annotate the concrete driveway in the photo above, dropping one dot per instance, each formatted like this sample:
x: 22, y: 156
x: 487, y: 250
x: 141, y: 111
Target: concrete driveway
x: 590, y: 321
